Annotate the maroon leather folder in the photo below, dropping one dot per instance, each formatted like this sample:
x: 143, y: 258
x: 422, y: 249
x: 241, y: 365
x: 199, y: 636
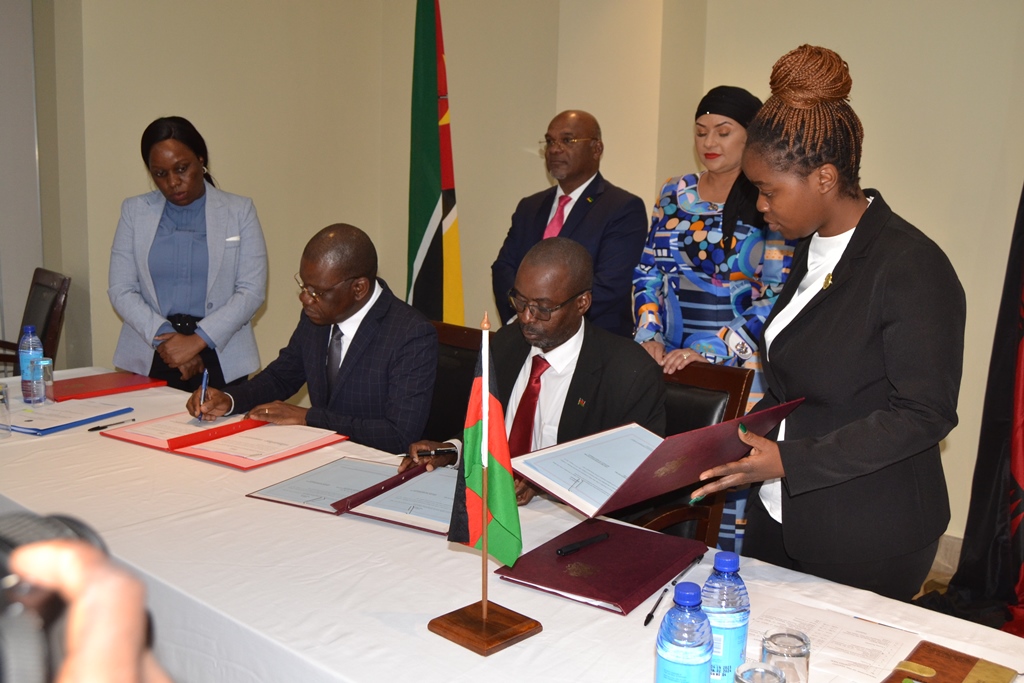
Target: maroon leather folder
x: 103, y: 384
x: 676, y: 462
x: 615, y: 574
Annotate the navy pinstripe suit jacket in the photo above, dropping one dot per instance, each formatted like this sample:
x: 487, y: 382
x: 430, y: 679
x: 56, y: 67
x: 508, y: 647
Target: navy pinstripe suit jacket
x: 382, y: 397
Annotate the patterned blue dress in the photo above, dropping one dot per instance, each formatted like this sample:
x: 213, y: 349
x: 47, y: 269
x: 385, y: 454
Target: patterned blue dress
x: 697, y: 289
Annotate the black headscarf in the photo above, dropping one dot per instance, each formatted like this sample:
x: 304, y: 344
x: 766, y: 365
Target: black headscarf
x: 740, y: 106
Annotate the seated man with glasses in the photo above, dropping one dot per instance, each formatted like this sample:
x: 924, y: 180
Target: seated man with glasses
x: 367, y: 358
x: 608, y: 221
x: 559, y: 376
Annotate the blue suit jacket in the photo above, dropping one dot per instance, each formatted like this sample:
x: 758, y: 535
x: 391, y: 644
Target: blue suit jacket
x: 610, y: 222
x: 382, y: 396
x: 235, y: 288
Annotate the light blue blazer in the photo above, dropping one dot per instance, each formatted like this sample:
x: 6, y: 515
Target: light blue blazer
x: 235, y: 288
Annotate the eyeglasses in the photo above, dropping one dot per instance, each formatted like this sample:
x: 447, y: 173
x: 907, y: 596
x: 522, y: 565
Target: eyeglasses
x: 564, y: 143
x: 314, y: 295
x: 539, y: 312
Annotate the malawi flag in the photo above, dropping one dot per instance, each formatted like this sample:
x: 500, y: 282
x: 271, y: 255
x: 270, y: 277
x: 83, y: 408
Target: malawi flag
x: 435, y: 264
x: 504, y: 537
x: 988, y: 586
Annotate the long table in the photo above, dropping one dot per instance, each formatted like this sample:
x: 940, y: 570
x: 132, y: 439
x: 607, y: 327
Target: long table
x: 244, y: 590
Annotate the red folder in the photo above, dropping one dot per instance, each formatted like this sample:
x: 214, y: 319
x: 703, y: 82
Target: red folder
x: 615, y: 574
x: 103, y: 384
x: 185, y: 444
x: 675, y: 463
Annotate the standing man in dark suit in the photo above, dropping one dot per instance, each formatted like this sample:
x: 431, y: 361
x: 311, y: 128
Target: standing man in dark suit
x: 367, y: 358
x: 589, y: 380
x: 610, y: 222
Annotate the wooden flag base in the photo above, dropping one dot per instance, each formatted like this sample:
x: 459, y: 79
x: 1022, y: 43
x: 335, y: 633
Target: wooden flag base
x: 467, y: 627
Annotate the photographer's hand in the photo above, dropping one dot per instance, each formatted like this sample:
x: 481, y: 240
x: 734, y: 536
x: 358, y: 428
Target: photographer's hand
x: 106, y: 620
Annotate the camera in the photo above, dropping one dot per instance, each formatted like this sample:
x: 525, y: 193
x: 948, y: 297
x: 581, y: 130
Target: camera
x: 32, y: 620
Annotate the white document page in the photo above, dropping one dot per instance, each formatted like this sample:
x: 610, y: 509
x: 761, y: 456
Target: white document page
x: 424, y: 501
x: 327, y: 484
x: 178, y: 425
x: 586, y: 472
x: 848, y: 648
x: 268, y: 440
x: 50, y: 415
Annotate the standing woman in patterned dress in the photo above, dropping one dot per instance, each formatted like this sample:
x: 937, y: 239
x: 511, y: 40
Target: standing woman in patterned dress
x: 711, y: 269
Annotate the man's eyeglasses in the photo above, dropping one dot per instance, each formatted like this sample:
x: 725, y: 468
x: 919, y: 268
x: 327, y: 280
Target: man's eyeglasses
x: 539, y: 312
x: 313, y: 294
x: 564, y: 143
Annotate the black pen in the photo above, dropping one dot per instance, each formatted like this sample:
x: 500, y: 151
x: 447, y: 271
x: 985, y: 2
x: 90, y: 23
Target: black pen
x: 447, y: 450
x: 650, y: 615
x: 112, y: 424
x: 573, y: 547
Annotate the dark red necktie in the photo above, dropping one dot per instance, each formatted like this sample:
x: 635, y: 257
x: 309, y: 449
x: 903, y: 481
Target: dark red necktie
x: 520, y: 439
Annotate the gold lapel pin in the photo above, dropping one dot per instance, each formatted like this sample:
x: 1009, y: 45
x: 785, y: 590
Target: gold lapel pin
x: 828, y: 281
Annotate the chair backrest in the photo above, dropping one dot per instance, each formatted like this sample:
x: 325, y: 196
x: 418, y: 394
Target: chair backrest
x: 457, y: 351
x: 47, y: 299
x: 702, y: 394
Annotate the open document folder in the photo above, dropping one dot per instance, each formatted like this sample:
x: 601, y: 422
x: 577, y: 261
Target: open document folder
x: 373, y: 488
x: 619, y: 467
x: 236, y: 441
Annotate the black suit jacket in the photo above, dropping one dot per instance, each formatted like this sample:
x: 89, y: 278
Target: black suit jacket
x: 616, y: 382
x: 382, y: 396
x: 610, y: 222
x: 877, y: 357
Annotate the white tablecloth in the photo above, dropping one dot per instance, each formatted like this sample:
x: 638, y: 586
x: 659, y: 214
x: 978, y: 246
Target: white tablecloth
x: 245, y: 590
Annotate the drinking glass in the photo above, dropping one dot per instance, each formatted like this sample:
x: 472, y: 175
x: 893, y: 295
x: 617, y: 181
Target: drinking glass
x: 758, y: 672
x: 41, y: 372
x: 790, y: 651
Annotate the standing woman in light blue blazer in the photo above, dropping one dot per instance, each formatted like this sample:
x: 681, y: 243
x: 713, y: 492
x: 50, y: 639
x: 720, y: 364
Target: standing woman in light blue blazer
x: 188, y: 268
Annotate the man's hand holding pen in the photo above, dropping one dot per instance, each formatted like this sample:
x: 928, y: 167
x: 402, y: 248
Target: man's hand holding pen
x: 433, y: 454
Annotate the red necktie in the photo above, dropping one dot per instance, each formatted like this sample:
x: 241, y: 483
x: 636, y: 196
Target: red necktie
x: 520, y: 439
x: 558, y: 220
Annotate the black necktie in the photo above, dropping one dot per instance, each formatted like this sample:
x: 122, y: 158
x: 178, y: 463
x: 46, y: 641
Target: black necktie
x: 334, y: 356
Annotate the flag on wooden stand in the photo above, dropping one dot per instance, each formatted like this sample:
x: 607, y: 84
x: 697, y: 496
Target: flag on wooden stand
x: 435, y: 263
x: 505, y: 538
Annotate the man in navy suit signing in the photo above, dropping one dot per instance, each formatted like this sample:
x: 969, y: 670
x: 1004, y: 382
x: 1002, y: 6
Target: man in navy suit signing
x: 368, y: 358
x: 610, y: 222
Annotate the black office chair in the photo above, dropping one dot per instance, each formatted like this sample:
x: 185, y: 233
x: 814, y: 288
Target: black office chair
x: 47, y: 299
x: 699, y: 395
x: 457, y: 351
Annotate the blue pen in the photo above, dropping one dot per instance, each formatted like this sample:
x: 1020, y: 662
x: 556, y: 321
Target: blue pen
x: 202, y: 389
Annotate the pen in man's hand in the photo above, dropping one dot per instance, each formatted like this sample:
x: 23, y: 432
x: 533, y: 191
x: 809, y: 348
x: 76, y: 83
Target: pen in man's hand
x: 447, y: 450
x: 573, y: 547
x: 650, y: 615
x: 202, y: 389
x: 112, y: 424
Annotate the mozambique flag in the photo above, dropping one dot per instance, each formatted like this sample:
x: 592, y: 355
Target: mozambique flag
x: 504, y: 537
x: 435, y: 264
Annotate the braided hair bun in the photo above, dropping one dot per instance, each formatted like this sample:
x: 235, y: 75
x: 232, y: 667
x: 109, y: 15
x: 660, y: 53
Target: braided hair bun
x: 808, y: 121
x: 810, y: 75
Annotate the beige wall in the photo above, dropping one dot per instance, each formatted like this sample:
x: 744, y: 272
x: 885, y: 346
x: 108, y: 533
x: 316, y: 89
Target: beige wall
x: 305, y: 108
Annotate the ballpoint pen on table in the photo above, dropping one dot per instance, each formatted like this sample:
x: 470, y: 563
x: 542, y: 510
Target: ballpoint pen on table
x: 98, y: 428
x: 650, y: 615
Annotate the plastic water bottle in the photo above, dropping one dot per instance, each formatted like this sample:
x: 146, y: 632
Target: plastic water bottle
x: 29, y: 349
x: 684, y: 640
x: 727, y: 605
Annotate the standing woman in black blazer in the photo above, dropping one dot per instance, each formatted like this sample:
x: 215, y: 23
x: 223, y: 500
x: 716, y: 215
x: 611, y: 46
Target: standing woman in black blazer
x: 869, y: 331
